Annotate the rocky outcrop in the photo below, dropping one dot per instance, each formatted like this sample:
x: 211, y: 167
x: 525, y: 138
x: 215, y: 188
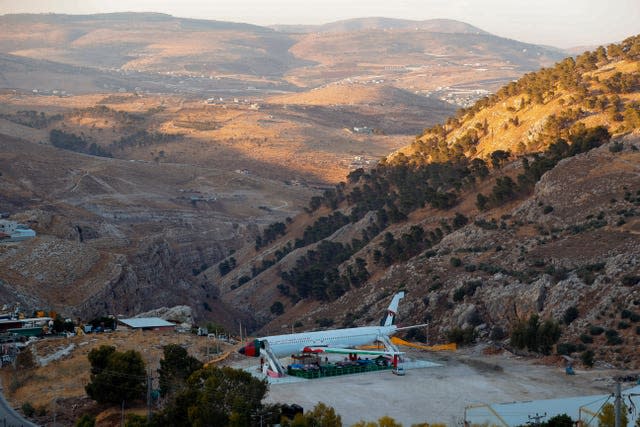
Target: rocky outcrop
x: 180, y: 314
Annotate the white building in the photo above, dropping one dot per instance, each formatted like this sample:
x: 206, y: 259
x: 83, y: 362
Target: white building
x: 11, y: 231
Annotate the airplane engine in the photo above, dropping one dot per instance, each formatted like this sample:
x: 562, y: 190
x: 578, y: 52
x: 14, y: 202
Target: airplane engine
x: 252, y: 349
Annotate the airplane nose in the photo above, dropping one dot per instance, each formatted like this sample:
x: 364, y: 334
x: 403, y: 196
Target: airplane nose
x: 241, y: 351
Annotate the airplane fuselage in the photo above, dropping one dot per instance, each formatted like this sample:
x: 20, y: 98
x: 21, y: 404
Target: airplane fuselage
x: 285, y: 345
x: 334, y: 340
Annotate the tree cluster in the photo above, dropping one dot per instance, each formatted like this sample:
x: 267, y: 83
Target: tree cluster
x: 534, y: 335
x: 116, y: 376
x: 73, y: 142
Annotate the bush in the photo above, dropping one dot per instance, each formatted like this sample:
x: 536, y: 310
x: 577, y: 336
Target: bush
x: 612, y: 337
x: 325, y: 322
x: 623, y: 325
x: 535, y: 336
x: 455, y: 262
x: 566, y: 348
x: 625, y: 314
x: 28, y: 409
x: 616, y: 147
x: 587, y: 357
x: 462, y: 336
x: 634, y: 317
x: 570, y: 315
x: 86, y: 421
x: 547, y: 209
x: 587, y: 339
x: 497, y: 334
x: 458, y: 294
x: 277, y: 308
x: 596, y: 330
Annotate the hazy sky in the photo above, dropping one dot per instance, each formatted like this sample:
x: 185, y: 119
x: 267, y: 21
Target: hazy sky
x: 562, y: 23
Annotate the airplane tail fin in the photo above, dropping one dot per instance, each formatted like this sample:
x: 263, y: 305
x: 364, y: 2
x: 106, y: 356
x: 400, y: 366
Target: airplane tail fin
x: 392, y: 311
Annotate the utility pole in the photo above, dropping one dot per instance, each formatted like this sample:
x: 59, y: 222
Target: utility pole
x: 537, y: 418
x: 618, y: 405
x: 149, y: 379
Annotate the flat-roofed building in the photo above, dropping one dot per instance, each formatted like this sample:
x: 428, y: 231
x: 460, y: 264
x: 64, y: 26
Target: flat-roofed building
x: 148, y: 323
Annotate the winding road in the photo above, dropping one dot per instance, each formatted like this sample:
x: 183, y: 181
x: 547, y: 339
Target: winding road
x: 9, y: 417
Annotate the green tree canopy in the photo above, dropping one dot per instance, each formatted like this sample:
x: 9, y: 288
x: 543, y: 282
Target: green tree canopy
x: 175, y: 367
x: 215, y: 397
x: 115, y: 376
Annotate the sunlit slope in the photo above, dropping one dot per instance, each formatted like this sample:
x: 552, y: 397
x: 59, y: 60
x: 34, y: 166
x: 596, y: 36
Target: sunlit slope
x: 597, y: 88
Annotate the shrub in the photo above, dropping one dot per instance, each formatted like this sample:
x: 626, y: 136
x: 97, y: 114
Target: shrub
x: 634, y: 317
x: 28, y: 409
x: 324, y: 322
x: 462, y: 336
x: 458, y: 294
x: 587, y: 339
x: 242, y: 280
x: 596, y: 330
x: 587, y: 357
x: 625, y: 314
x: 277, y: 308
x: 570, y: 315
x: 612, y: 337
x: 616, y: 147
x: 547, y: 209
x: 455, y: 262
x: 623, y: 325
x: 630, y: 280
x: 566, y: 348
x: 86, y: 421
x: 435, y: 286
x: 535, y: 336
x: 497, y: 334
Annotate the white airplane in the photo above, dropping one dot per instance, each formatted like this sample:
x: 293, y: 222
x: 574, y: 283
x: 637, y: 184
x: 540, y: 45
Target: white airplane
x: 331, y: 341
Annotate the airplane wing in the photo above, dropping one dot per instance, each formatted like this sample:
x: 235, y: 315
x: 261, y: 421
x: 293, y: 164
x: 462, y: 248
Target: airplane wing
x: 336, y: 350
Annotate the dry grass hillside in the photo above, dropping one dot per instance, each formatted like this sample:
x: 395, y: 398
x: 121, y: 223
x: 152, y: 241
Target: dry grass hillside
x: 350, y: 94
x: 519, y: 125
x: 56, y: 388
x: 415, y: 59
x: 288, y: 143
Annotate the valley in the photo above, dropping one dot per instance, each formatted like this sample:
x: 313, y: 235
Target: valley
x: 292, y: 178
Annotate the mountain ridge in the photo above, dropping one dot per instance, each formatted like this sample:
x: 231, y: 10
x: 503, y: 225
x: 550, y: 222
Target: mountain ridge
x: 355, y: 24
x: 511, y: 224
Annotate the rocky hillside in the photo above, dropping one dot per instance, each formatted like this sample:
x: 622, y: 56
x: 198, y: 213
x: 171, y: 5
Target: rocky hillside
x: 524, y: 204
x: 120, y: 236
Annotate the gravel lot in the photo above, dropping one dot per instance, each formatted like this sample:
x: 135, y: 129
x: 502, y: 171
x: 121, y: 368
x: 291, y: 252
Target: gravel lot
x: 440, y: 394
